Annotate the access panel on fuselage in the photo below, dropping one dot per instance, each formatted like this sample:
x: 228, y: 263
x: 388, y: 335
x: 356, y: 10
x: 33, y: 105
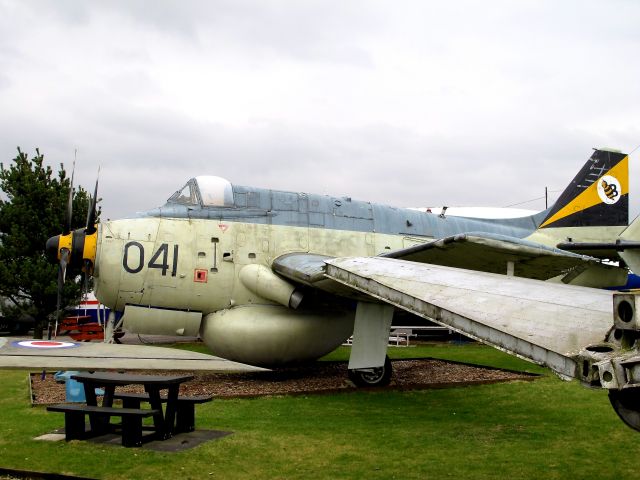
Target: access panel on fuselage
x: 212, y: 274
x: 340, y: 226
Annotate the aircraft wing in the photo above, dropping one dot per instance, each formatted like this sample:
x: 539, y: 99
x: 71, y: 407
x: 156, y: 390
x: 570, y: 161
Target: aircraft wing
x: 481, y: 252
x: 493, y: 253
x: 547, y: 323
x: 627, y: 246
x: 610, y: 250
x: 66, y: 355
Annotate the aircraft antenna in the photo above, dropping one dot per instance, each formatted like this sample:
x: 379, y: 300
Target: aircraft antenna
x: 546, y: 198
x: 546, y: 191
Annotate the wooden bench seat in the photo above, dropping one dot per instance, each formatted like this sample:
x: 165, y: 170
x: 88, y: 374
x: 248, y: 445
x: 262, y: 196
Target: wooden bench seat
x: 185, y: 412
x: 74, y: 421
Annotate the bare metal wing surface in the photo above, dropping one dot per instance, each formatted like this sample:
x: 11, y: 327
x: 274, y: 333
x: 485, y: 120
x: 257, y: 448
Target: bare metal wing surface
x: 494, y: 253
x: 481, y: 252
x: 309, y: 269
x: 547, y: 323
x: 306, y: 268
x: 62, y: 355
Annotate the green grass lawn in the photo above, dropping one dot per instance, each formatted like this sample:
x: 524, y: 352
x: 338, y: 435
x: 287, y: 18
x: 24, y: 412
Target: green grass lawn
x: 545, y: 429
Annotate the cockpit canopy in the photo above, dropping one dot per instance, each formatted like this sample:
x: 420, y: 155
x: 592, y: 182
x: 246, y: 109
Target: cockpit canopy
x: 205, y: 190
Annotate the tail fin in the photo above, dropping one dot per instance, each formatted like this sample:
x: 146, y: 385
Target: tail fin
x: 598, y: 196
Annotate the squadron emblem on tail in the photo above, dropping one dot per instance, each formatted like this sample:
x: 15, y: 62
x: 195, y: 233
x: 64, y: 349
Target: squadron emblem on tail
x: 609, y: 189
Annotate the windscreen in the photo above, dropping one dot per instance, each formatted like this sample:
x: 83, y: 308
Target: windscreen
x: 205, y: 190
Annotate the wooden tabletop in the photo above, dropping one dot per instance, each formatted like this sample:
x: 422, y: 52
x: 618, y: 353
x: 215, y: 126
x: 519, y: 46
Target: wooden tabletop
x: 110, y: 378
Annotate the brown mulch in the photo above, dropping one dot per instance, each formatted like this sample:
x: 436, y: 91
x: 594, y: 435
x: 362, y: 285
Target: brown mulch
x: 321, y: 377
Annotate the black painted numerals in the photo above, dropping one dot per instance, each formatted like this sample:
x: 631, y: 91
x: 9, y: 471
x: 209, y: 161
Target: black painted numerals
x: 133, y: 258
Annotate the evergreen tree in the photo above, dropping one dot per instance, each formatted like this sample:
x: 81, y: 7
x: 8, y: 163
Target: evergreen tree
x: 34, y: 210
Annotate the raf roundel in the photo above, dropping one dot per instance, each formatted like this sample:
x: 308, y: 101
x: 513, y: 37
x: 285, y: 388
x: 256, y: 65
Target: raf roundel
x: 609, y: 189
x: 44, y: 344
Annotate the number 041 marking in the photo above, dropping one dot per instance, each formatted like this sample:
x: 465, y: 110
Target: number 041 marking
x: 133, y: 263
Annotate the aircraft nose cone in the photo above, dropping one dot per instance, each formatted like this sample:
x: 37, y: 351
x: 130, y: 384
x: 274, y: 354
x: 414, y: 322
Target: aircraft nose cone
x: 51, y: 249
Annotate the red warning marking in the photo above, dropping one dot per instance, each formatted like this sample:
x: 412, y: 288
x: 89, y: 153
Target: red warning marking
x: 200, y: 276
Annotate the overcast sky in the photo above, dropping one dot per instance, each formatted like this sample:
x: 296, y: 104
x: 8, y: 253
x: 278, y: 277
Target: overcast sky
x: 410, y: 103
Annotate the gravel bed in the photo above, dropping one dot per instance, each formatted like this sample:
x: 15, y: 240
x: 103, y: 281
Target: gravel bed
x: 320, y: 377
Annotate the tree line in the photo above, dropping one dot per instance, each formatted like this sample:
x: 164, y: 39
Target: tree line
x: 32, y: 209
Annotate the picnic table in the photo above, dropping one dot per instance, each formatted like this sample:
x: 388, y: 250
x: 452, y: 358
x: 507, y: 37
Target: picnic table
x: 164, y: 422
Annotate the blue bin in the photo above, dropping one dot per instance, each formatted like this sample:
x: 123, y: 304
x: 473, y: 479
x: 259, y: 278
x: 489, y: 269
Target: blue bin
x: 63, y: 376
x: 74, y: 390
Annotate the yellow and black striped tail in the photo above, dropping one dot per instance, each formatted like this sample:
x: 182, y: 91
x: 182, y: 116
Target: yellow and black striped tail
x: 598, y: 196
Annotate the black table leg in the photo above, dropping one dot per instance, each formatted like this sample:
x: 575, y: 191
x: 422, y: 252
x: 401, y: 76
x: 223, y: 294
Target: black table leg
x: 90, y: 394
x: 92, y: 400
x: 99, y: 423
x: 158, y: 420
x: 172, y: 403
x: 107, y: 399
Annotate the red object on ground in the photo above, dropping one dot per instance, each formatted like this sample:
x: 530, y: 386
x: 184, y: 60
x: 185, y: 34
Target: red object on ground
x: 81, y: 328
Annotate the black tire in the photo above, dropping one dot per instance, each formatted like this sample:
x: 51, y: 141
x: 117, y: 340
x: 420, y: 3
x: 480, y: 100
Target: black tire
x: 626, y: 403
x: 376, y: 377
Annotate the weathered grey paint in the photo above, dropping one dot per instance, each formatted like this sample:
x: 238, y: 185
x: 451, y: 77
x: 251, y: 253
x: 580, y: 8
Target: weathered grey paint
x: 273, y: 207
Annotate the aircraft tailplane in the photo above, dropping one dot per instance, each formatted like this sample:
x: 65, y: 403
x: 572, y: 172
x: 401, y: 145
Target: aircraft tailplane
x: 598, y: 196
x: 631, y: 238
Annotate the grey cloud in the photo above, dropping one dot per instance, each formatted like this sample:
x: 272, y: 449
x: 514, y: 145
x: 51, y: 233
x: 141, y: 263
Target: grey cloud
x: 306, y: 31
x: 421, y: 103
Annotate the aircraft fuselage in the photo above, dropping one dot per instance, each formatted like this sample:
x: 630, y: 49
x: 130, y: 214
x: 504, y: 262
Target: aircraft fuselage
x: 189, y: 257
x: 190, y: 262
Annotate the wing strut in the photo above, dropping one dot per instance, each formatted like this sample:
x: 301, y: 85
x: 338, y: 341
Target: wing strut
x: 370, y: 335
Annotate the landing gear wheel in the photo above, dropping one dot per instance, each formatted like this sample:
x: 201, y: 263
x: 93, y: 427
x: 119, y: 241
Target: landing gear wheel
x: 372, y: 377
x: 626, y: 403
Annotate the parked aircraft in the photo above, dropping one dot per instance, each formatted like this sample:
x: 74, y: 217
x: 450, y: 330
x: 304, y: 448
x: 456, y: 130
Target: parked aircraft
x: 235, y: 264
x: 216, y: 255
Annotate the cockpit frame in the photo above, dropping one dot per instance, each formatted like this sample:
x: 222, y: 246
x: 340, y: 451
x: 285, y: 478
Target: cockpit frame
x: 205, y: 191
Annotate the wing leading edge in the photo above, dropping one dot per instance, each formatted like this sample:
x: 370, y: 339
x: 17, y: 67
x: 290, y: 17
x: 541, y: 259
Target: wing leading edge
x: 18, y: 353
